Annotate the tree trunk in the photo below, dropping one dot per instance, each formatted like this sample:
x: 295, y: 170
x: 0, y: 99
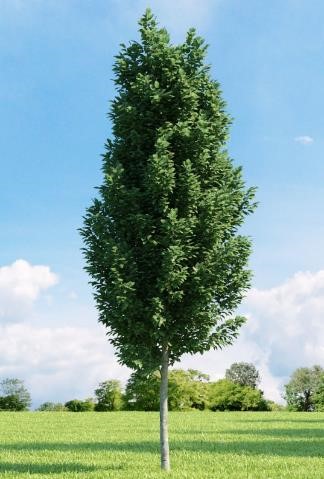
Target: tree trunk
x: 164, y: 437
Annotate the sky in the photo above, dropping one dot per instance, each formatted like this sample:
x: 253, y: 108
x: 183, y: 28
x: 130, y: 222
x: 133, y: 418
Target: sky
x: 56, y: 84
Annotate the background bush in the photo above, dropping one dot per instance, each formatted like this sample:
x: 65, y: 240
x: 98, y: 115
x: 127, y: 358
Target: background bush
x: 76, y: 405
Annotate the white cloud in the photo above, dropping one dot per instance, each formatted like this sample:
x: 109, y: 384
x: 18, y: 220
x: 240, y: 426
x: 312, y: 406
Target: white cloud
x: 304, y: 140
x: 58, y: 363
x: 244, y: 349
x: 290, y: 320
x: 20, y: 286
x: 285, y: 330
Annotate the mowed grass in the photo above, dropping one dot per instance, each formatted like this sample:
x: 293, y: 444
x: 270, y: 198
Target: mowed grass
x: 126, y: 445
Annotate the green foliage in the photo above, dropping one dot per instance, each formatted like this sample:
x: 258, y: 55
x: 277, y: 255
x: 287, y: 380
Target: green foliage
x: 224, y: 395
x: 273, y: 406
x: 162, y: 248
x: 109, y: 396
x: 13, y: 395
x: 244, y: 374
x: 143, y: 392
x: 76, y: 405
x: 301, y: 389
x: 319, y: 395
x: 51, y: 406
x: 187, y: 390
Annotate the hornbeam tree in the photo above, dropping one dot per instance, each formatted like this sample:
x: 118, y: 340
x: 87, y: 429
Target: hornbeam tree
x: 161, y: 243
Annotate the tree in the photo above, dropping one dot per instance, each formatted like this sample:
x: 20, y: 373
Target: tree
x: 109, y: 396
x: 319, y: 395
x: 77, y: 405
x: 244, y: 374
x: 226, y: 395
x: 187, y: 390
x: 143, y: 391
x: 13, y: 395
x: 303, y: 384
x: 162, y: 248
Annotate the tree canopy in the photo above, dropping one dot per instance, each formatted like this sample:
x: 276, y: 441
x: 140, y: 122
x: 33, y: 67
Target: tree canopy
x: 77, y: 405
x: 109, y: 396
x: 303, y: 385
x: 244, y: 374
x: 14, y: 395
x: 161, y: 244
x: 224, y: 395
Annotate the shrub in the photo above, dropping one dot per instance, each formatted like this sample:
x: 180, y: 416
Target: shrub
x: 76, y: 405
x: 273, y: 406
x: 224, y: 395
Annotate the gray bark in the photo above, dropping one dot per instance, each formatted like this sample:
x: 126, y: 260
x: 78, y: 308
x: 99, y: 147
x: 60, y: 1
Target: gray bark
x: 164, y: 436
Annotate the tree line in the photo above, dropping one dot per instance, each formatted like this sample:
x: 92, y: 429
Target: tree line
x: 188, y: 390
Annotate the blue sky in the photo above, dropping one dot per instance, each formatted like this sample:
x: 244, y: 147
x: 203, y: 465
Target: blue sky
x: 55, y: 86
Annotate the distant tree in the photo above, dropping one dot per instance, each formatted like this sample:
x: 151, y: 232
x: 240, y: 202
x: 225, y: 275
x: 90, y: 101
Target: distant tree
x: 109, y: 396
x: 301, y: 389
x: 51, y: 406
x: 13, y: 395
x: 253, y: 400
x: 162, y: 247
x: 244, y: 374
x: 224, y: 395
x: 186, y: 390
x: 143, y: 391
x: 319, y: 395
x: 76, y: 405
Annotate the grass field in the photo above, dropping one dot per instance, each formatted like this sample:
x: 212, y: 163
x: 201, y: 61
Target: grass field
x: 125, y: 445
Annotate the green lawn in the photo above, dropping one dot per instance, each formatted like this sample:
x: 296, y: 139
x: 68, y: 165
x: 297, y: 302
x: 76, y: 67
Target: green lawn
x: 125, y: 445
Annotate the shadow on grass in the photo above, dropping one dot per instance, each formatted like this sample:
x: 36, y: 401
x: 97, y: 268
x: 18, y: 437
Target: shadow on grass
x: 306, y: 433
x: 274, y: 420
x: 288, y: 434
x: 283, y: 446
x: 50, y: 468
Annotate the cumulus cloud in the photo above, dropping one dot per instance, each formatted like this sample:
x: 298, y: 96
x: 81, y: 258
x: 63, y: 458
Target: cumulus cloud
x: 284, y: 331
x: 57, y: 363
x: 20, y: 286
x: 289, y: 321
x: 304, y: 140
